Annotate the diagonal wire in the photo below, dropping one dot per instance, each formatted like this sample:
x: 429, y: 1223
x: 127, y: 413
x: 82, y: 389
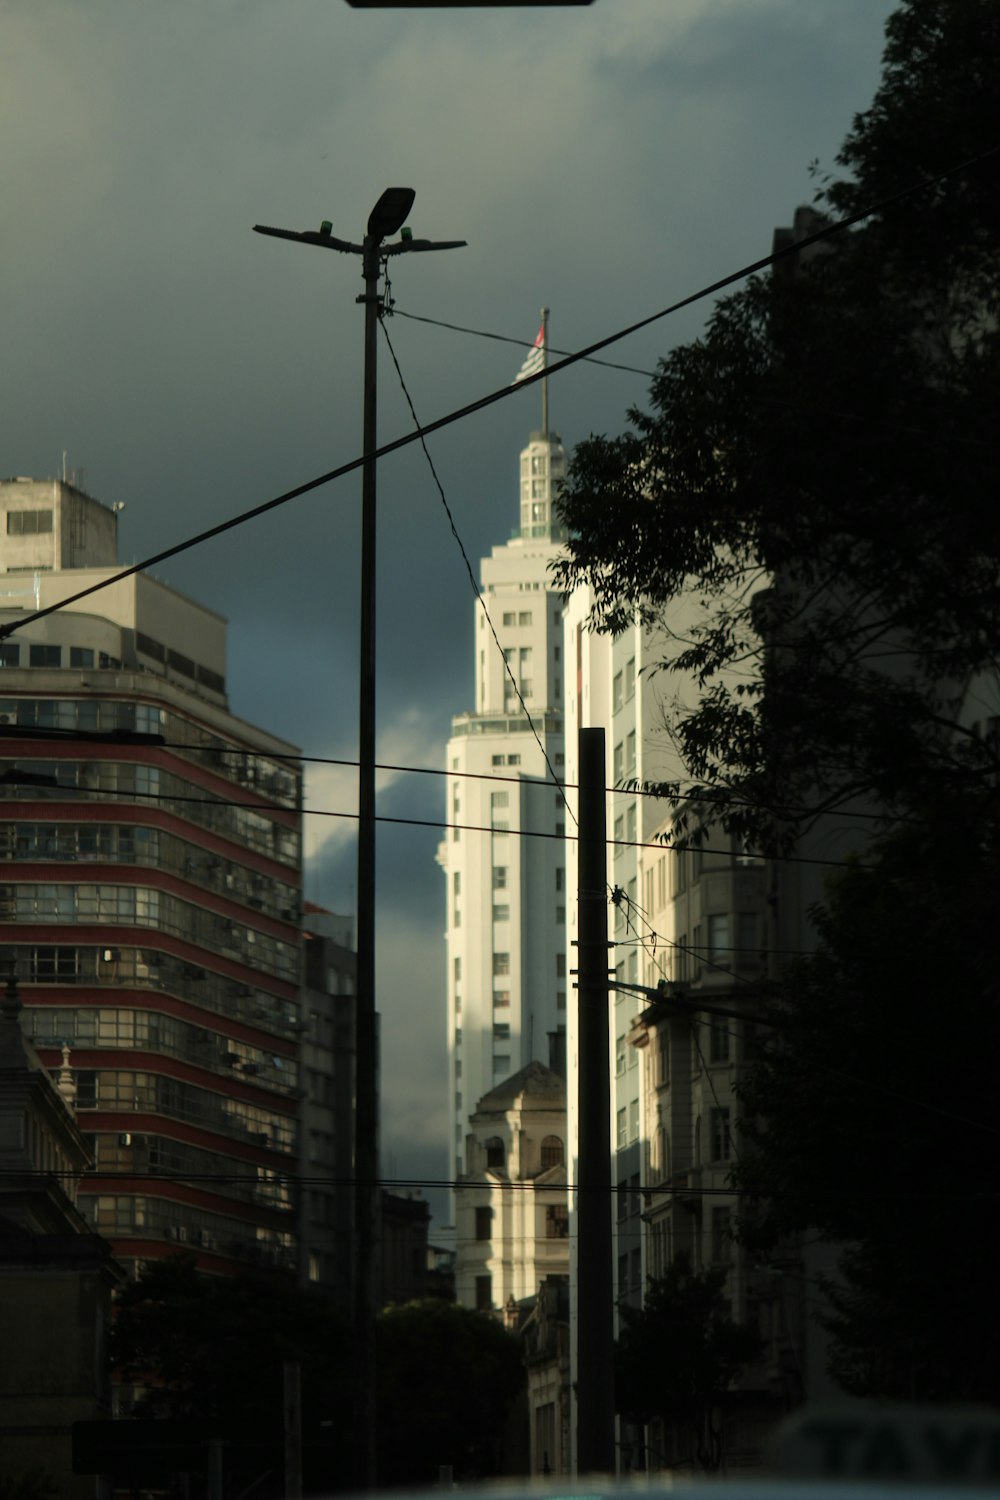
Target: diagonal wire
x: 469, y: 570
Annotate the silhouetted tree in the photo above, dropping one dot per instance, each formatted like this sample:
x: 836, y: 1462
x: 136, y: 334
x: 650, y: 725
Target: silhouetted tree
x: 678, y: 1355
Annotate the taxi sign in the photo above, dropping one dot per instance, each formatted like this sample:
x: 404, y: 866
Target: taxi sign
x: 869, y: 1441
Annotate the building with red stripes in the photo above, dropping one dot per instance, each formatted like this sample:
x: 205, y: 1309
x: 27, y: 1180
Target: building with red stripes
x: 150, y: 890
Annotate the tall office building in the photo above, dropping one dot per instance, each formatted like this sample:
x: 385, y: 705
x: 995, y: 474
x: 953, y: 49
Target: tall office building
x: 503, y: 857
x: 150, y: 891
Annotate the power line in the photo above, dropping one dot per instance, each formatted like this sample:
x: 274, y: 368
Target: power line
x: 446, y: 825
x: 762, y: 263
x: 503, y: 338
x: 458, y: 1184
x: 477, y: 591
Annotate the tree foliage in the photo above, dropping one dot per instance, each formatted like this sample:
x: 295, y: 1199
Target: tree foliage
x: 818, y: 472
x: 806, y: 513
x: 869, y: 1114
x: 678, y: 1355
x: 448, y: 1377
x: 213, y: 1348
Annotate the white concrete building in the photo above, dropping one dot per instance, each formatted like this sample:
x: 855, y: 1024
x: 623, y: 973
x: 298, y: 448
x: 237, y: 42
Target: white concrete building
x: 504, y: 858
x: 512, y: 1226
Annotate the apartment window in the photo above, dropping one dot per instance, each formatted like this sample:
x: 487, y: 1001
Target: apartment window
x: 81, y: 656
x: 720, y: 1141
x: 552, y: 1152
x: 495, y: 1154
x: 630, y: 752
x: 44, y: 656
x: 560, y: 966
x: 620, y: 1054
x: 618, y: 763
x: 501, y: 1064
x: 501, y: 999
x: 10, y: 654
x: 28, y: 522
x: 484, y: 1293
x: 499, y: 799
x: 513, y: 760
x: 509, y: 618
x: 630, y: 677
x: 560, y: 916
x: 501, y: 963
x: 499, y: 877
x: 501, y: 913
x: 456, y: 883
x: 619, y: 836
x: 748, y: 940
x: 630, y: 826
x: 617, y: 693
x: 621, y: 1136
x: 560, y: 999
x: 718, y: 936
x: 524, y: 618
x: 722, y: 1240
x: 457, y: 969
x: 497, y: 760
x: 718, y: 1044
x: 560, y: 878
x: 556, y: 1221
x: 633, y: 1120
x: 484, y: 1223
x: 501, y: 1031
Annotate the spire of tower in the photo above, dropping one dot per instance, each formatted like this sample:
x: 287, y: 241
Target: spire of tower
x: 544, y: 382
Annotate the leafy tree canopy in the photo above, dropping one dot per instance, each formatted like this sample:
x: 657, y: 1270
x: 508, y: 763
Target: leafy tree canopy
x: 447, y: 1379
x: 213, y: 1348
x: 677, y: 1355
x: 806, y: 513
x: 869, y: 1118
x: 815, y: 478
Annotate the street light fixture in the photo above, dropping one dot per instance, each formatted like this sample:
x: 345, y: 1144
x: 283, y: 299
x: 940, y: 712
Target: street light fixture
x: 385, y: 219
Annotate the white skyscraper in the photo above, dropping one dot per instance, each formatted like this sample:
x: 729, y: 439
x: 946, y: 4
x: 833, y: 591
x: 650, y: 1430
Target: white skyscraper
x: 504, y: 856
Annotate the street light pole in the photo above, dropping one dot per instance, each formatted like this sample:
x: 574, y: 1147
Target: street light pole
x: 385, y: 219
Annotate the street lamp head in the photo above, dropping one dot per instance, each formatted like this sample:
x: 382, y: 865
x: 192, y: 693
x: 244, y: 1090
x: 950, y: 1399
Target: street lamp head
x: 390, y: 211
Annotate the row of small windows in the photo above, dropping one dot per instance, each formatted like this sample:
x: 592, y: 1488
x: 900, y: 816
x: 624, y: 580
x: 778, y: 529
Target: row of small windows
x: 186, y: 799
x: 29, y: 522
x: 152, y: 1093
x: 41, y: 655
x: 131, y: 843
x: 125, y: 1029
x: 128, y: 1151
x: 143, y: 906
x: 150, y: 969
x: 246, y: 768
x: 127, y: 1215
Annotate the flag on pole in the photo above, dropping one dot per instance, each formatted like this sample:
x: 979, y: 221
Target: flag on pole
x: 535, y: 361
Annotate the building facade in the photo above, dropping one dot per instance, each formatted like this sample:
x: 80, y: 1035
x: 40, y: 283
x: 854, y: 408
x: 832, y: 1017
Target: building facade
x: 503, y: 857
x: 151, y: 891
x: 511, y: 1218
x: 327, y: 1058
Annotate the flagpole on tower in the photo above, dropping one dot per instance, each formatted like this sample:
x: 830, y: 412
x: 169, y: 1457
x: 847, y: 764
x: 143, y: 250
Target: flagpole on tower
x: 545, y: 379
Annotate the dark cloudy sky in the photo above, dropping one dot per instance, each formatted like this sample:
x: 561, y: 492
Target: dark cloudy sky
x: 603, y: 161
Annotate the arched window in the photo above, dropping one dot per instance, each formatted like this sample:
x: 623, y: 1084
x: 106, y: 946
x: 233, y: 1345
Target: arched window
x: 496, y: 1156
x: 552, y: 1152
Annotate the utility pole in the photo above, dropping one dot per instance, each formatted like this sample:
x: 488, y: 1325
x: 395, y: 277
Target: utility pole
x: 595, y: 1345
x: 385, y: 219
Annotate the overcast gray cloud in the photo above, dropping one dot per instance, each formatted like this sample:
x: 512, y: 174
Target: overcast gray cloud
x: 604, y: 161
